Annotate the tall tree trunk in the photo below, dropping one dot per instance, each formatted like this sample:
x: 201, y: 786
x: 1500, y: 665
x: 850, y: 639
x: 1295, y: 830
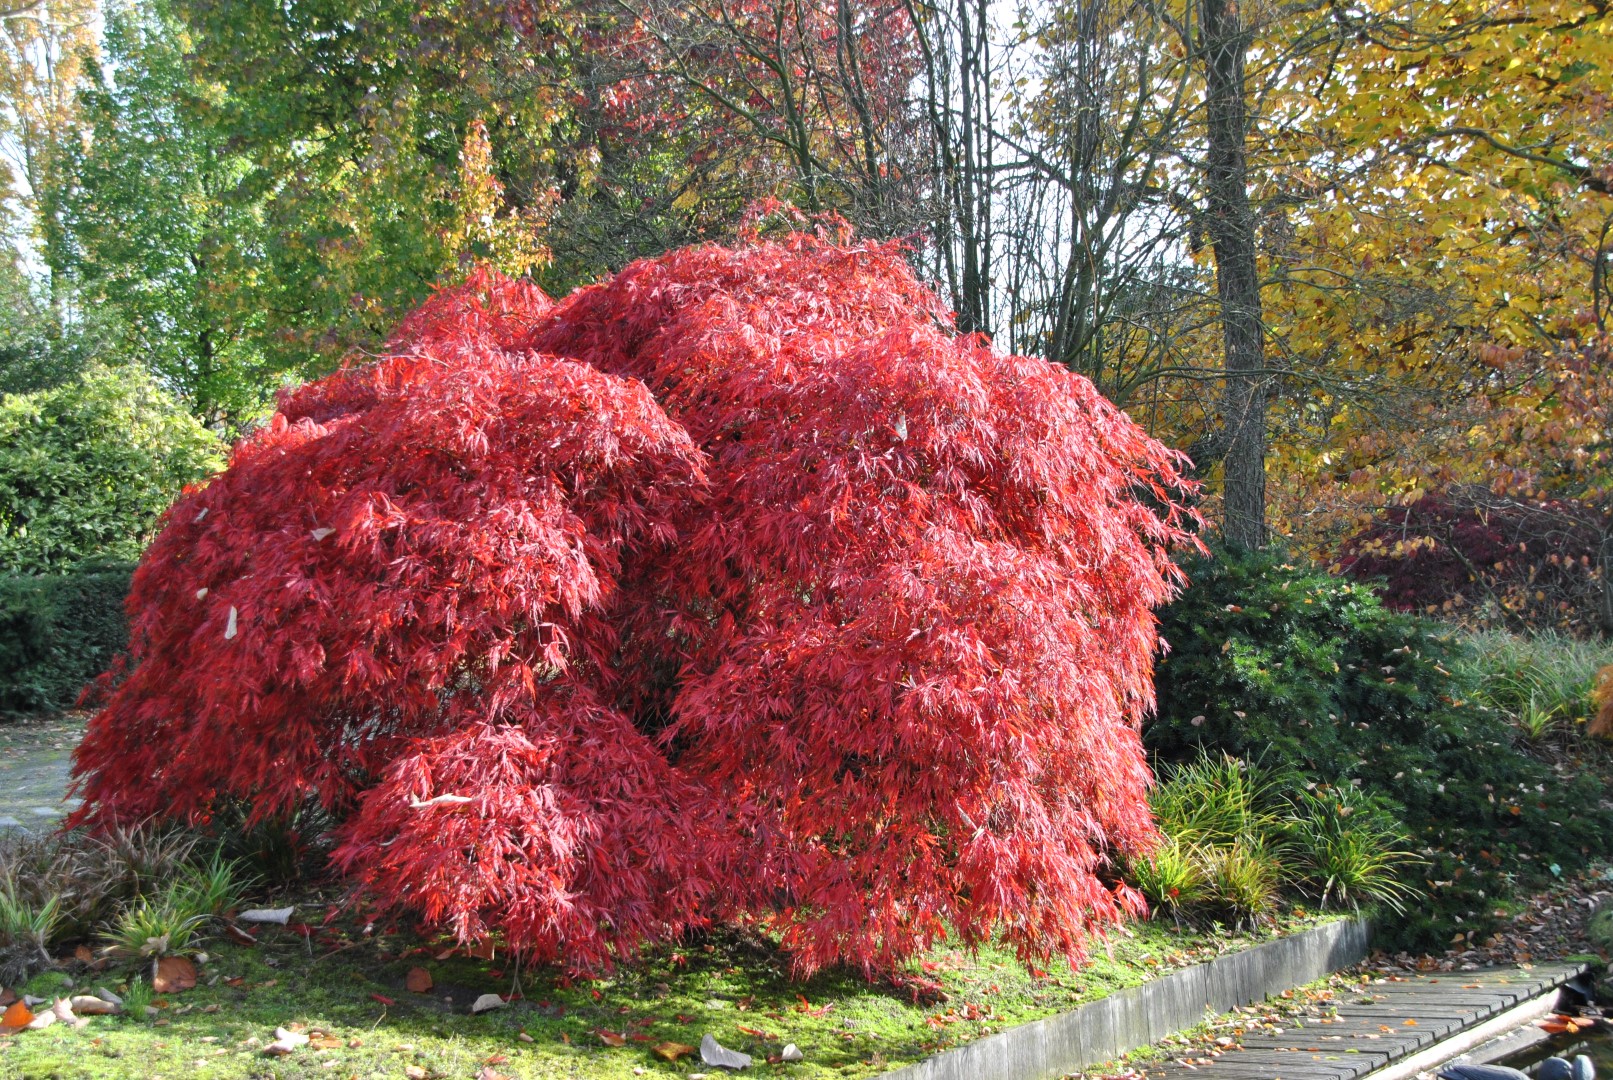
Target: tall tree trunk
x: 1604, y: 612
x: 1224, y: 41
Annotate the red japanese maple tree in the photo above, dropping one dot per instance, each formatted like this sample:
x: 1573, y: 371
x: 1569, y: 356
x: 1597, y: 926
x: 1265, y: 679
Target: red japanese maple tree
x: 735, y: 586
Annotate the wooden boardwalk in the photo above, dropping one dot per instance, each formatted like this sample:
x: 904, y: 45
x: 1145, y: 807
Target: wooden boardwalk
x: 1362, y: 1031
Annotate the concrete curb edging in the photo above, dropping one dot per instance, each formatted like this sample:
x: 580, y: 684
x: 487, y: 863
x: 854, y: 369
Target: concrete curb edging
x: 1110, y: 1027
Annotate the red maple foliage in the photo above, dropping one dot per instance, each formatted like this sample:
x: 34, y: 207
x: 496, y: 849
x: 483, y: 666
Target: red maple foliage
x: 1475, y: 554
x: 736, y: 586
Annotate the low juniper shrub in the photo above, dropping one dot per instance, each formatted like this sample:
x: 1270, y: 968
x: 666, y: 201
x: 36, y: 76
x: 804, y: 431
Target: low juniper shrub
x: 1312, y: 673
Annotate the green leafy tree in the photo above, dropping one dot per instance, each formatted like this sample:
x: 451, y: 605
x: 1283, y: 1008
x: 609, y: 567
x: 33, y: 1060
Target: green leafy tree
x: 353, y: 124
x: 163, y: 236
x: 86, y: 468
x: 37, y: 351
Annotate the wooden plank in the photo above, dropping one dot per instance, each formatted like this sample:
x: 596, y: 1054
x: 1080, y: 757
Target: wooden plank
x: 1382, y: 1022
x: 1224, y: 1069
x: 1413, y: 1038
x: 1345, y: 1064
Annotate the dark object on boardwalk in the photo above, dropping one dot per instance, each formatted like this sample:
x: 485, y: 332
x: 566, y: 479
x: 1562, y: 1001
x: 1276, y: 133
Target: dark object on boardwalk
x: 1550, y: 1069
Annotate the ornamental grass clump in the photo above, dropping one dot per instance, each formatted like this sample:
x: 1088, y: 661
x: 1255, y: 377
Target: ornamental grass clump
x: 735, y: 587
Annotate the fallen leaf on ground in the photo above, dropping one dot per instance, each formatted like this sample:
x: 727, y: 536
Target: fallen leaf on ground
x: 489, y: 1073
x: 237, y: 935
x: 267, y: 915
x: 383, y: 999
x: 610, y: 1038
x: 415, y: 1072
x: 418, y: 980
x: 174, y: 973
x: 713, y: 1052
x: 16, y: 1017
x: 671, y: 1051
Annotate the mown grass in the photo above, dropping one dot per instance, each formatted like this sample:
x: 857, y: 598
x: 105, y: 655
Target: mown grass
x: 350, y: 985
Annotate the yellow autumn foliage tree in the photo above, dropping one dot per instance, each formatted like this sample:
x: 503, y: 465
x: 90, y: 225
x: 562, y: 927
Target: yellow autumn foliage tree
x: 1439, y: 199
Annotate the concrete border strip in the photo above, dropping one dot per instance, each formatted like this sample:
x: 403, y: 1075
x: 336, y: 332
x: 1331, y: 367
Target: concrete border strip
x: 1139, y: 1016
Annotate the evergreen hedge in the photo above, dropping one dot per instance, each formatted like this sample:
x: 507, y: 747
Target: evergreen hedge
x: 58, y: 632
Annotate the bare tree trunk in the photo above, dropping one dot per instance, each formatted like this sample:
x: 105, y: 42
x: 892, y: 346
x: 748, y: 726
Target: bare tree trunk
x: 1232, y: 235
x: 1604, y: 559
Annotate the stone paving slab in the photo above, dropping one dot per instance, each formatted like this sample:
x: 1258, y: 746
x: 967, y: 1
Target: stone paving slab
x: 1388, y: 1019
x: 35, y: 758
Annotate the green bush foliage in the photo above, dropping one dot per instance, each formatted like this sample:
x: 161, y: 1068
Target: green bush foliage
x: 1308, y: 673
x: 87, y: 467
x: 58, y: 632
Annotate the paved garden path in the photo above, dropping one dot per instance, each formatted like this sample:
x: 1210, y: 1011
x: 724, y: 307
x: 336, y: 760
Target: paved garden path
x: 1386, y: 1020
x: 35, y: 756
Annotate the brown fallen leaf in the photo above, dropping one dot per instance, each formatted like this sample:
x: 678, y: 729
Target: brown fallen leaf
x: 671, y: 1051
x: 415, y: 1072
x: 237, y: 935
x: 90, y: 1005
x: 174, y: 973
x: 418, y: 980
x: 610, y: 1038
x: 489, y: 1073
x: 83, y: 955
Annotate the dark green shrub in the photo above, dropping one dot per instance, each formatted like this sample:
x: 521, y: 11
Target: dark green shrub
x: 57, y: 632
x: 1304, y: 671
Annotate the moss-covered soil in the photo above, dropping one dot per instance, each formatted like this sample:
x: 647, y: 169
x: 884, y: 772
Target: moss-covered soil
x: 347, y: 989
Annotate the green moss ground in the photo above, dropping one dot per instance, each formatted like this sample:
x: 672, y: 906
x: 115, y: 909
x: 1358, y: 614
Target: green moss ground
x: 733, y: 986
